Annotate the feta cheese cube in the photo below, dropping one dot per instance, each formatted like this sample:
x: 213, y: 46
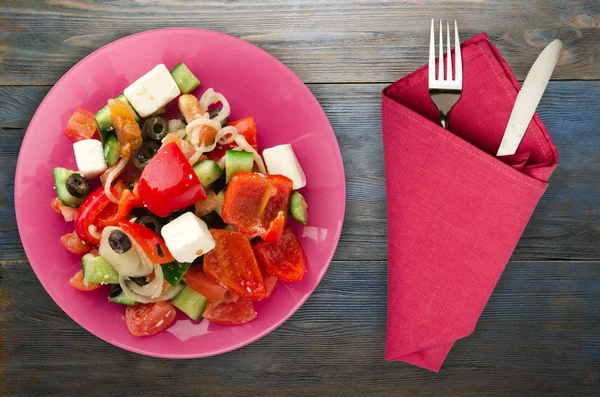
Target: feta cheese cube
x: 152, y: 91
x: 89, y: 156
x: 187, y: 237
x: 282, y: 160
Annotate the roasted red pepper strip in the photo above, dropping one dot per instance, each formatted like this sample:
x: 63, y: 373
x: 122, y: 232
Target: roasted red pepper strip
x: 117, y: 213
x: 230, y: 313
x: 276, y: 228
x: 169, y: 183
x: 152, y: 244
x: 257, y: 204
x: 87, y: 212
x: 233, y: 265
x: 285, y: 260
x: 98, y: 211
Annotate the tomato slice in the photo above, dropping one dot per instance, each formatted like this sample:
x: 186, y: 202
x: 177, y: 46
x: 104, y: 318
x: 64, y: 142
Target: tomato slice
x: 233, y: 265
x: 127, y: 129
x: 257, y: 204
x: 81, y: 125
x: 230, y: 313
x: 145, y: 319
x: 67, y: 212
x: 202, y: 284
x: 169, y: 183
x: 77, y: 282
x: 285, y: 260
x: 74, y: 244
x: 245, y: 127
x: 153, y: 245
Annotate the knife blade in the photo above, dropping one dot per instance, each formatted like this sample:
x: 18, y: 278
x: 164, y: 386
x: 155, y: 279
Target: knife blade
x: 529, y: 97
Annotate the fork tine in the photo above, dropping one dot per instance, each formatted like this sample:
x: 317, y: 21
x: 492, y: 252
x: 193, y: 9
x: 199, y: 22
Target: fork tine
x: 432, y: 53
x: 457, y: 55
x: 448, y: 53
x: 441, y: 59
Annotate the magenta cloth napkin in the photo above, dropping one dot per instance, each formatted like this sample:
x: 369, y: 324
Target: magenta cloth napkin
x: 455, y: 212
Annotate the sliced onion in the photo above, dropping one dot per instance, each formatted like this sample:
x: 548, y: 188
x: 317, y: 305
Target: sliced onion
x: 127, y: 264
x: 231, y: 130
x: 210, y: 97
x: 146, y: 263
x: 116, y: 171
x: 193, y: 129
x: 221, y: 162
x: 164, y: 296
x: 243, y: 144
x: 195, y: 157
x: 93, y: 231
x: 154, y: 288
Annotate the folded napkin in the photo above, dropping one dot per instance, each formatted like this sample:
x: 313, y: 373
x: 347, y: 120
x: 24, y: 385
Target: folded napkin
x: 455, y: 212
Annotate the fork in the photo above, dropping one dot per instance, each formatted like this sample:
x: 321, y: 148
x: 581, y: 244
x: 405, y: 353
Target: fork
x: 445, y: 91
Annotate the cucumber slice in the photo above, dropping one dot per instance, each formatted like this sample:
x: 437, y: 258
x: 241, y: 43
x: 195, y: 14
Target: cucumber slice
x: 219, y: 207
x: 104, y: 120
x: 208, y: 171
x: 299, y: 207
x: 60, y: 185
x: 174, y: 271
x: 190, y: 302
x: 237, y: 161
x: 118, y: 296
x: 112, y: 150
x: 98, y: 271
x: 185, y: 79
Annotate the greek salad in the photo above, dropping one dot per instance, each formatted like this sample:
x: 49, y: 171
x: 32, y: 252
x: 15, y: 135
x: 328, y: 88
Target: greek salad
x: 182, y: 213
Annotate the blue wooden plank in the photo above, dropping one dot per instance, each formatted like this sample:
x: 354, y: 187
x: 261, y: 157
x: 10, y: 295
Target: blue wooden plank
x: 537, y: 336
x: 564, y: 226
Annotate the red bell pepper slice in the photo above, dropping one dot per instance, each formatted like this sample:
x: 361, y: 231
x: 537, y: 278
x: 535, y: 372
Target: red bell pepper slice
x: 169, y: 183
x: 98, y: 211
x: 153, y: 245
x: 87, y: 212
x: 233, y: 265
x: 257, y: 204
x: 114, y: 213
x: 285, y: 260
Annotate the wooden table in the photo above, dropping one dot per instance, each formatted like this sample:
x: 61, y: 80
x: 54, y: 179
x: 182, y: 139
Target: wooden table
x: 539, y: 333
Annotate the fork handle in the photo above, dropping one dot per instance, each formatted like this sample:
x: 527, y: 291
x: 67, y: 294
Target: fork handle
x: 444, y: 120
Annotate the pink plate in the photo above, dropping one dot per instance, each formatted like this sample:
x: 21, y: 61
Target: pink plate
x: 255, y: 84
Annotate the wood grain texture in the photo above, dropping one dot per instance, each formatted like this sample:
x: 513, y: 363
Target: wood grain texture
x: 567, y: 216
x: 539, y: 333
x: 322, y: 41
x: 537, y: 336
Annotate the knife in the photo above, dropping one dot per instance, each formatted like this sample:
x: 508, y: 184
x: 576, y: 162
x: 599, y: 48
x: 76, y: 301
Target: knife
x: 527, y: 101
